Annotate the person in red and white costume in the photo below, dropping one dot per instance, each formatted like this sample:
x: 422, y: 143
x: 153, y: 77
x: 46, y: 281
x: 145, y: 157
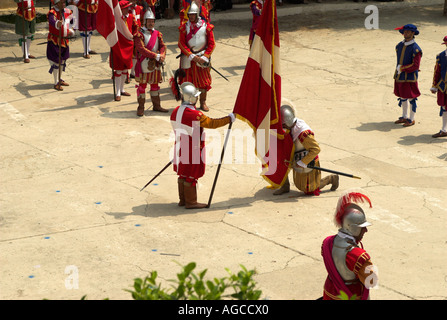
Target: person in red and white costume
x: 188, y: 124
x: 349, y: 266
x: 122, y: 64
x: 87, y: 10
x: 151, y: 54
x: 25, y: 26
x: 196, y: 43
x: 439, y: 88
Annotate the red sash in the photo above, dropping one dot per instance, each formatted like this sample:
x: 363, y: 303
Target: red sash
x: 193, y: 30
x: 152, y: 40
x: 337, y: 280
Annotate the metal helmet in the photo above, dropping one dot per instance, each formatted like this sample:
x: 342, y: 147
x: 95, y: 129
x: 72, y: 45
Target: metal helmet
x: 189, y: 92
x: 149, y: 14
x: 287, y: 116
x: 354, y: 220
x: 194, y: 8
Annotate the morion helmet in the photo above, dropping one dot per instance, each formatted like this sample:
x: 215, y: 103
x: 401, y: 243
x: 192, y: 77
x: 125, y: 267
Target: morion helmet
x: 189, y: 92
x: 287, y: 115
x: 149, y: 14
x: 194, y: 9
x: 349, y: 216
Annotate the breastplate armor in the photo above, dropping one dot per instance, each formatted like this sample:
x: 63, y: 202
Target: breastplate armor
x: 339, y: 251
x: 147, y: 36
x: 198, y: 42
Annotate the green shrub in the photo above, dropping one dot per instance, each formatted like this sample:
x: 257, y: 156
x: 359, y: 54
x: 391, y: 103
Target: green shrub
x: 192, y: 286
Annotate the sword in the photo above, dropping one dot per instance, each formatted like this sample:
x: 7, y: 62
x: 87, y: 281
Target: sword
x: 310, y: 166
x: 333, y: 171
x: 220, y: 74
x: 207, y: 65
x: 166, y: 166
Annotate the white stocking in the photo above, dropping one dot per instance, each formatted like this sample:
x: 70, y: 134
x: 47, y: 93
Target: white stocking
x: 25, y: 48
x: 444, y: 121
x: 405, y: 109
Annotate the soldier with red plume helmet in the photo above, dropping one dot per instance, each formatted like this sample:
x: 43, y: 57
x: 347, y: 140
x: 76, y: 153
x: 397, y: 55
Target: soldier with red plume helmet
x: 349, y: 266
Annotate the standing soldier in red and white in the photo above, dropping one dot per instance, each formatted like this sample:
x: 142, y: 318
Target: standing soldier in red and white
x: 151, y: 54
x: 122, y: 63
x: 25, y: 26
x: 406, y: 88
x: 58, y: 50
x: 196, y: 43
x: 349, y: 266
x: 189, y: 149
x: 87, y: 10
x: 440, y: 87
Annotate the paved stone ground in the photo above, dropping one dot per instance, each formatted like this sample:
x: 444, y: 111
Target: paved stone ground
x: 73, y: 164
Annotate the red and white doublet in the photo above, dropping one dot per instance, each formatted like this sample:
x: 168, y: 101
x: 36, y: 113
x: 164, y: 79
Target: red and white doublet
x: 196, y: 40
x: 138, y: 13
x: 189, y: 149
x: 149, y: 45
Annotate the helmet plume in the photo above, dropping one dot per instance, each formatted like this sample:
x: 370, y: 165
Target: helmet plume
x: 344, y: 201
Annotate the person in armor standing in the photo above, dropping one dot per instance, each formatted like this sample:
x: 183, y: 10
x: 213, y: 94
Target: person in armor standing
x: 25, y: 26
x: 406, y: 88
x: 58, y: 50
x: 123, y: 65
x: 440, y: 87
x: 87, y: 22
x: 189, y: 149
x: 196, y: 43
x: 151, y: 54
x: 306, y: 151
x: 348, y: 265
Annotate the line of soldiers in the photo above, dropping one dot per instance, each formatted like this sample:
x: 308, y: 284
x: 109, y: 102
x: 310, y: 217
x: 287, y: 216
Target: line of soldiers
x: 409, y: 55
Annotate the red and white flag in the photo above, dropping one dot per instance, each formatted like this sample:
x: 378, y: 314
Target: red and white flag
x: 112, y: 27
x: 259, y: 99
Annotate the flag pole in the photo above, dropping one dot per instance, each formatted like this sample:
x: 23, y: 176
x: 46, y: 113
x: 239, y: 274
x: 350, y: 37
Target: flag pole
x: 86, y: 32
x: 24, y: 37
x: 220, y: 164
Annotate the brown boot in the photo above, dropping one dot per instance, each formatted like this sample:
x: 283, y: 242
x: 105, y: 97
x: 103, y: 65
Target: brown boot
x: 333, y: 180
x: 156, y: 103
x: 284, y: 188
x: 203, y: 105
x: 190, y: 193
x: 140, y: 110
x: 181, y: 192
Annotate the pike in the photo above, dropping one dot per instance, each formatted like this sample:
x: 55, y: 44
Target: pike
x: 161, y: 171
x: 86, y: 31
